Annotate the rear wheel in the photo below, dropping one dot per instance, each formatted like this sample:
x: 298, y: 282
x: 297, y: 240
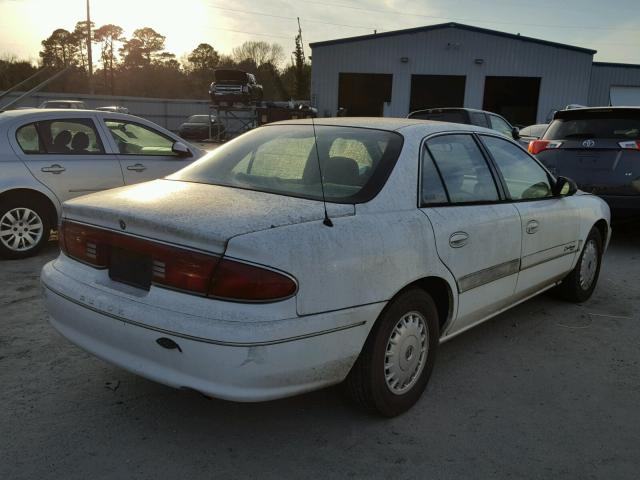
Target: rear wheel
x: 581, y: 282
x: 24, y: 228
x: 396, y: 362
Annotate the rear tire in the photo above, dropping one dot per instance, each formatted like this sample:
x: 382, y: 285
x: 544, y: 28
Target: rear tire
x: 579, y: 285
x: 396, y: 362
x: 24, y: 228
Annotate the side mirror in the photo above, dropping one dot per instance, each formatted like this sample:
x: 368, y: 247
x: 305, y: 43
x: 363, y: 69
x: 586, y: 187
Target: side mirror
x: 564, y: 187
x: 515, y: 133
x: 181, y: 149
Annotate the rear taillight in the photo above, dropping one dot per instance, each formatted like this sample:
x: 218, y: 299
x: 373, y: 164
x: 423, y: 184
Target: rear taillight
x: 630, y: 145
x: 537, y: 146
x: 179, y: 268
x: 240, y: 281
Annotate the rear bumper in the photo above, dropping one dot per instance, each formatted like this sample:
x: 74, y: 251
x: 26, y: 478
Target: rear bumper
x: 281, y: 366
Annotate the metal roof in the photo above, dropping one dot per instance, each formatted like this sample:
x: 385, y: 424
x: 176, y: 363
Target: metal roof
x: 451, y: 25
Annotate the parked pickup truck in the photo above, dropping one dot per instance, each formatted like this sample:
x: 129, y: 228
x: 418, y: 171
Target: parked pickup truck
x: 234, y: 86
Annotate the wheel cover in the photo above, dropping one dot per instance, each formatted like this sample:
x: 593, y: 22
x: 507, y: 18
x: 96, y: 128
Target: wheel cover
x: 21, y: 229
x: 588, y: 265
x: 406, y: 353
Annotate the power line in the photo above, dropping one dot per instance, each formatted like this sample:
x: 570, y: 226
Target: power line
x: 253, y: 12
x: 414, y: 14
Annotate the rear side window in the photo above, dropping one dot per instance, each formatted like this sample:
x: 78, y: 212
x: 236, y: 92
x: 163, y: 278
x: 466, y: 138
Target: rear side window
x: 60, y: 137
x: 525, y: 179
x: 624, y: 125
x: 29, y: 140
x: 463, y: 168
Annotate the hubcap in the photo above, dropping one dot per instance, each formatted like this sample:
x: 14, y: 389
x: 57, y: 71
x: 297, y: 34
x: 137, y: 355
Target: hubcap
x: 20, y: 229
x: 406, y: 353
x: 589, y: 264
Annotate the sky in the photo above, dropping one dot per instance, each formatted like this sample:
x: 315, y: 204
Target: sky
x: 611, y: 27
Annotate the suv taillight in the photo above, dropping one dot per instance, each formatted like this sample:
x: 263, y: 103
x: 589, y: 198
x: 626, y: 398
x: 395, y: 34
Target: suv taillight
x: 537, y: 146
x: 179, y: 268
x: 630, y: 145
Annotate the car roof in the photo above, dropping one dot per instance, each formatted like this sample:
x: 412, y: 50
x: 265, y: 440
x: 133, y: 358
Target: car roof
x: 454, y: 109
x: 580, y: 111
x: 387, y: 123
x: 51, y: 113
x: 63, y: 101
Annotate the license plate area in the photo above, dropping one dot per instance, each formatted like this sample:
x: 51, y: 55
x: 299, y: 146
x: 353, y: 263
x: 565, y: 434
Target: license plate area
x: 132, y: 268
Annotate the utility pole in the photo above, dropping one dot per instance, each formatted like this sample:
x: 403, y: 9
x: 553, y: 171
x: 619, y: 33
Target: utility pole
x: 89, y: 53
x: 299, y: 34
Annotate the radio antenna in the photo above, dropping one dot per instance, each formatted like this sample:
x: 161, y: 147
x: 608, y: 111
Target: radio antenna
x: 327, y: 221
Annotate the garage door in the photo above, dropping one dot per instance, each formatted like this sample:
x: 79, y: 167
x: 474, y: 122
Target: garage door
x: 364, y: 94
x: 436, y: 91
x: 624, y: 96
x: 515, y: 98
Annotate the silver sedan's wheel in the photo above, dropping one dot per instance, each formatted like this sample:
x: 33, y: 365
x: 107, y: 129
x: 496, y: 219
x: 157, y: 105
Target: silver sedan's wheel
x: 21, y: 229
x: 406, y: 353
x: 589, y: 264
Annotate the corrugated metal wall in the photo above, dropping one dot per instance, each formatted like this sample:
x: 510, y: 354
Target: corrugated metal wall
x: 565, y: 73
x: 604, y: 76
x: 169, y: 113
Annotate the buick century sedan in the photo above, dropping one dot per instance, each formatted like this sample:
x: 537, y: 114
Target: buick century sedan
x: 299, y: 256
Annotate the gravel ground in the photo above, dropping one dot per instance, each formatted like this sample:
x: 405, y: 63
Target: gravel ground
x: 546, y: 390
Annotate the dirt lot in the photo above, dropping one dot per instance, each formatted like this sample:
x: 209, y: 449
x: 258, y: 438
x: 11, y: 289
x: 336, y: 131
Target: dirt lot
x: 546, y: 390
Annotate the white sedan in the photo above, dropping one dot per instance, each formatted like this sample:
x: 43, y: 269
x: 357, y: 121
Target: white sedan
x: 230, y: 278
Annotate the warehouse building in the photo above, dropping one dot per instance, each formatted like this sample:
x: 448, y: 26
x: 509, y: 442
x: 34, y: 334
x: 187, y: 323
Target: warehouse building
x: 453, y: 65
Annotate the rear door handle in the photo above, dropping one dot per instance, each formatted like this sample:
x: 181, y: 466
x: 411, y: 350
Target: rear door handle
x: 458, y: 239
x: 138, y: 167
x: 532, y: 226
x: 55, y: 168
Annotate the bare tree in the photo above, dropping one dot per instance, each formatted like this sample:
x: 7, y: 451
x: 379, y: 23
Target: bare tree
x: 259, y: 52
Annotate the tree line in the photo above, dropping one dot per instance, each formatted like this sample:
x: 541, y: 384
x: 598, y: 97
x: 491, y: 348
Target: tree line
x: 141, y: 66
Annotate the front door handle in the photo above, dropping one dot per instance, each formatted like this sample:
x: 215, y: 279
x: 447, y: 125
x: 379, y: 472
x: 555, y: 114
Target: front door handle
x: 532, y: 226
x: 138, y: 167
x: 458, y: 239
x: 55, y: 168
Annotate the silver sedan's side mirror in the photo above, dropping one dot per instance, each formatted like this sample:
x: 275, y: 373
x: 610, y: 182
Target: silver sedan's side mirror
x: 565, y: 187
x: 181, y: 149
x: 515, y: 133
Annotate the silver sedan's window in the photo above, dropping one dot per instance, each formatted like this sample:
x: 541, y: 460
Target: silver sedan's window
x: 464, y: 170
x: 499, y: 125
x: 135, y: 139
x: 355, y: 162
x: 432, y: 191
x: 525, y: 179
x: 64, y: 136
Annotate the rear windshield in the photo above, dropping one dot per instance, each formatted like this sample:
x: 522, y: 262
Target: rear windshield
x: 230, y: 76
x: 590, y: 124
x: 197, y: 119
x: 282, y: 159
x: 452, y: 116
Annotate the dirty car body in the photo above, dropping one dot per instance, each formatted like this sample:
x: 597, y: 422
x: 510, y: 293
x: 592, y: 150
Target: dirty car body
x: 226, y: 277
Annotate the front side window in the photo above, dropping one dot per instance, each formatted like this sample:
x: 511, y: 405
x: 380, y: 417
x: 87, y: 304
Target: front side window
x: 525, y: 179
x: 479, y: 118
x: 499, y: 125
x: 282, y: 159
x: 67, y: 137
x: 136, y: 139
x: 464, y: 170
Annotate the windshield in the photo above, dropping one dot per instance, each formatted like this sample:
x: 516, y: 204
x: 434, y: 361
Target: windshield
x: 282, y: 159
x: 596, y: 124
x: 453, y: 116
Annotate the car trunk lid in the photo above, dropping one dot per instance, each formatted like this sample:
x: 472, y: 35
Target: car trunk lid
x: 194, y: 215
